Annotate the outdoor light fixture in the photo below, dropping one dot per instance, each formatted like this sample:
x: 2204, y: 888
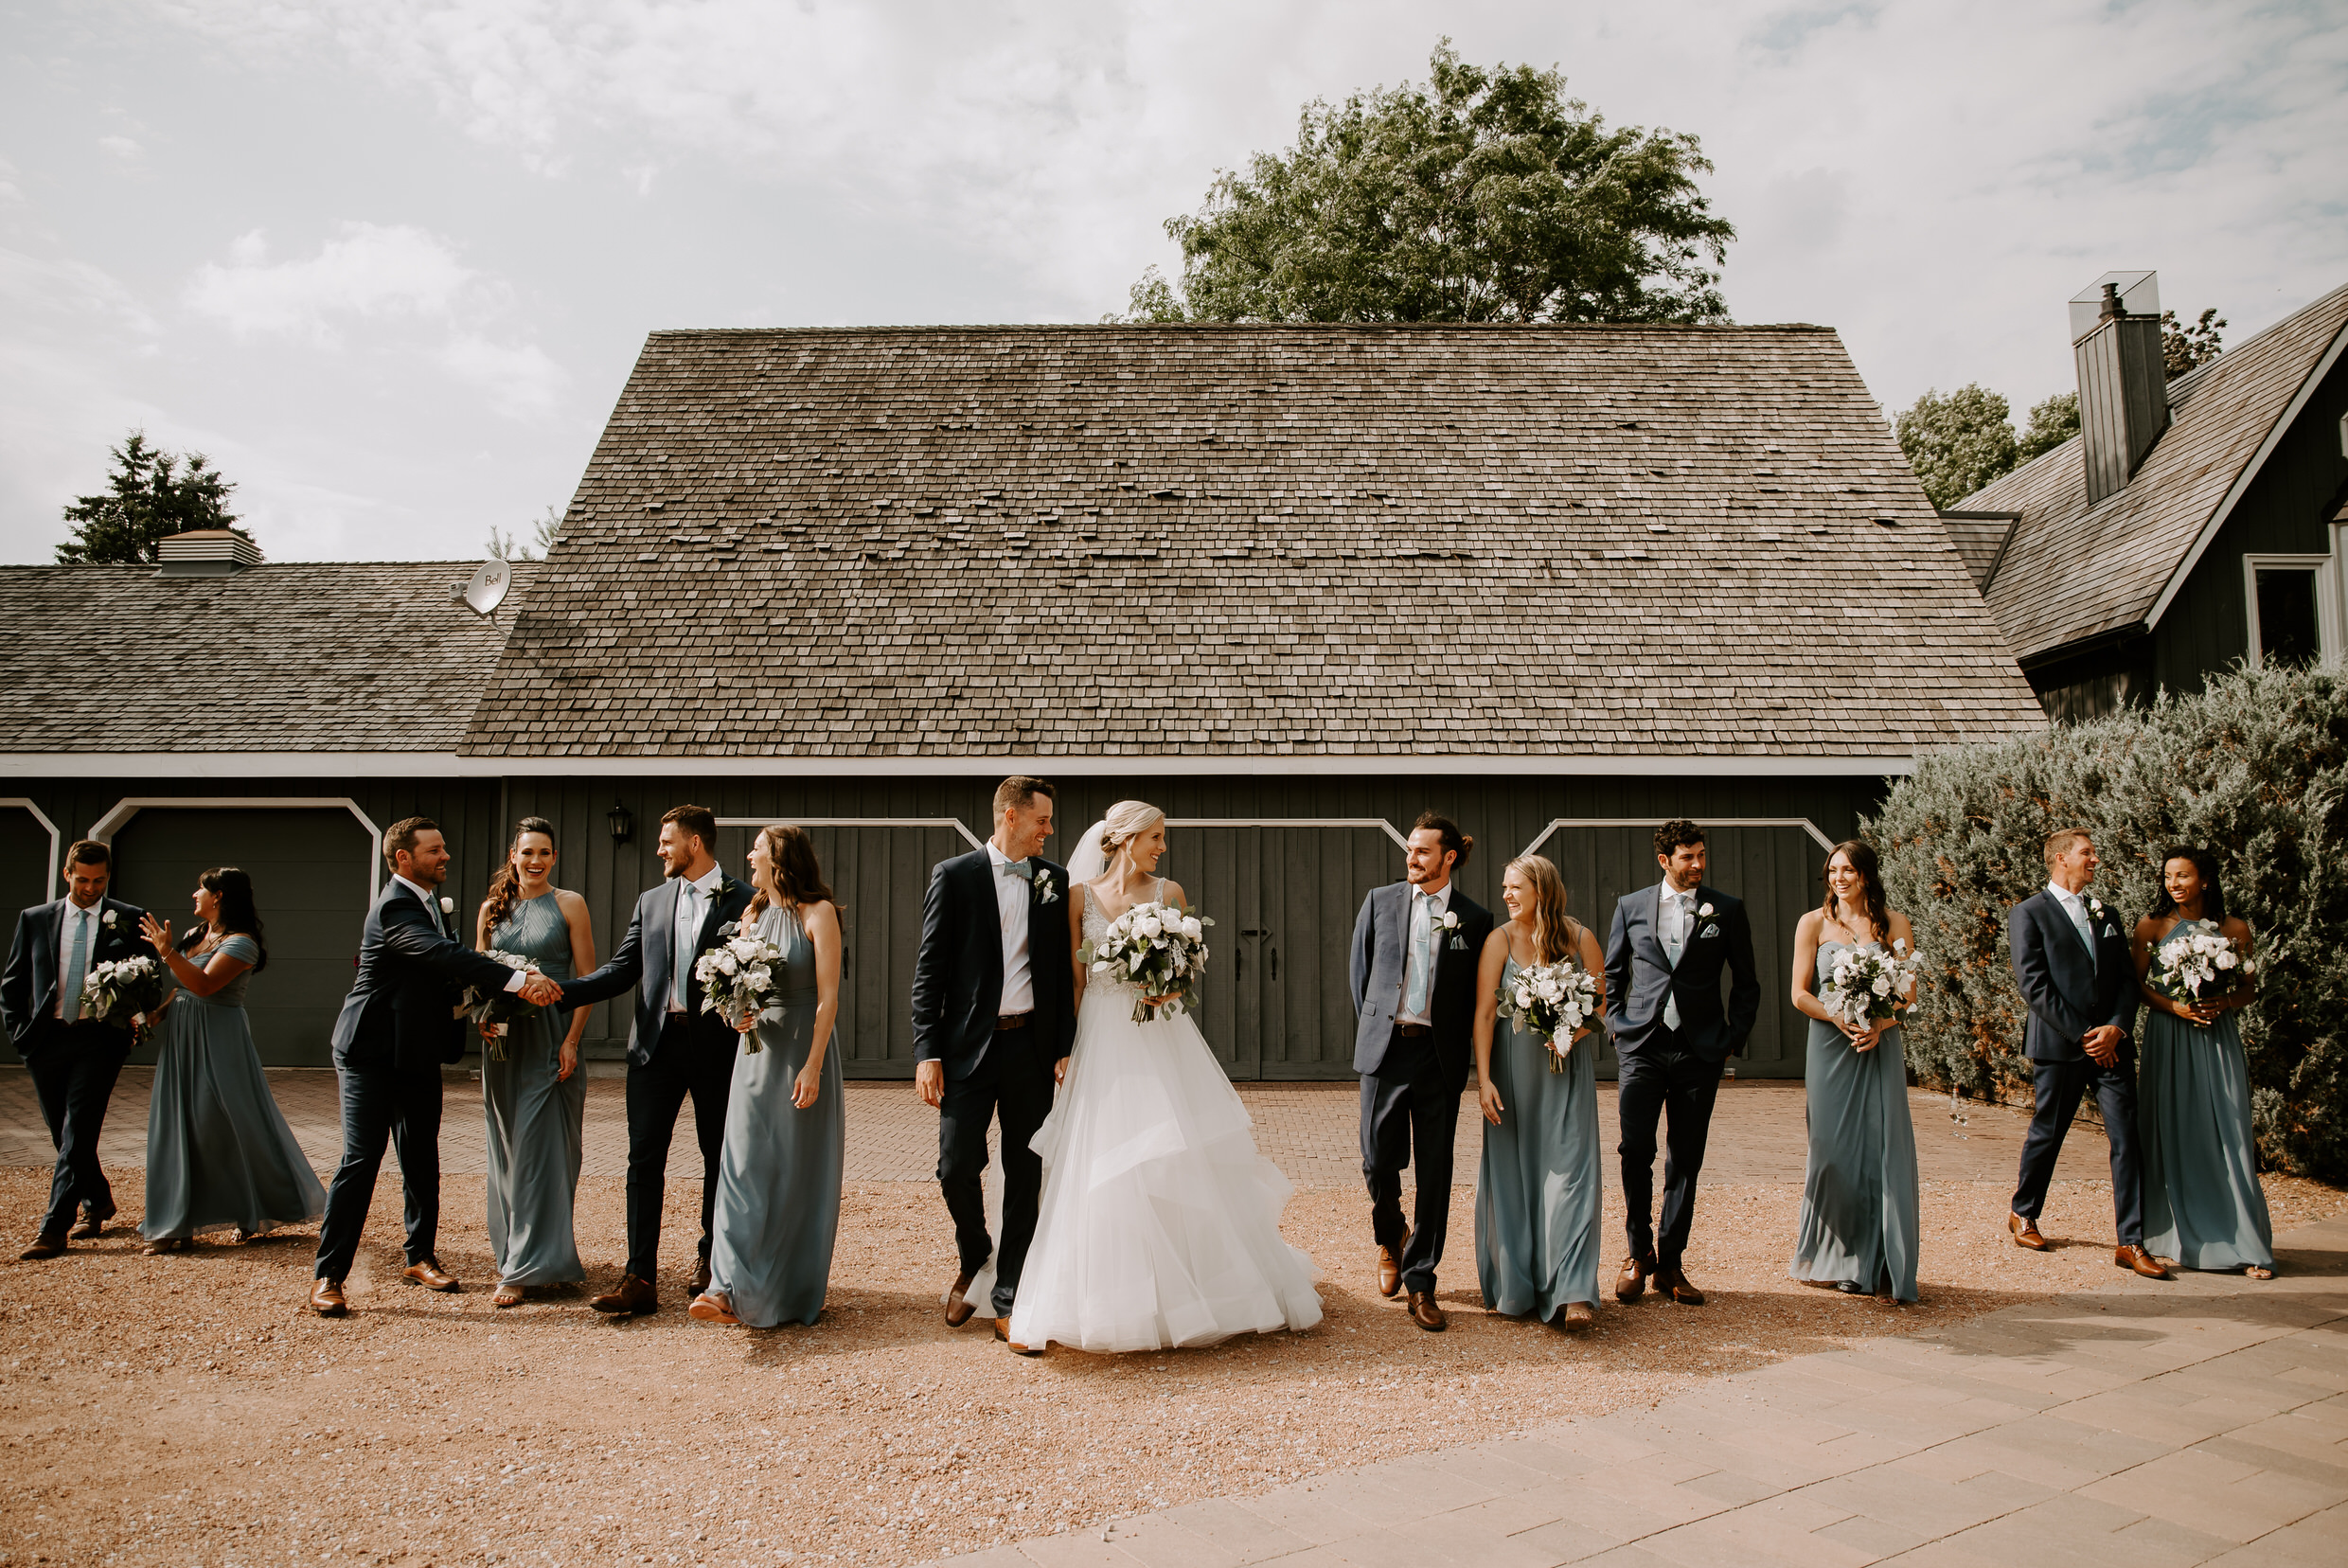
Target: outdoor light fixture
x: 623, y: 823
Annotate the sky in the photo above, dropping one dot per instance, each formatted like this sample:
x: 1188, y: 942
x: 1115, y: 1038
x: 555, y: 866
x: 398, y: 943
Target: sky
x: 388, y: 263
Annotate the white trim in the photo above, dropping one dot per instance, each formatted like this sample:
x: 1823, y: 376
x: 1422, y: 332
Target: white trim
x: 190, y: 765
x: 1380, y: 823
x: 55, y: 839
x: 2242, y: 481
x: 2327, y: 623
x: 105, y: 827
x: 955, y: 823
x: 1555, y: 823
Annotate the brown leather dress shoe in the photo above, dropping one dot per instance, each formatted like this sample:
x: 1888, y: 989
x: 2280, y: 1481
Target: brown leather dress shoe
x: 2025, y: 1233
x: 92, y: 1228
x: 428, y: 1272
x: 1390, y: 1268
x: 1003, y: 1332
x: 44, y: 1246
x: 2140, y: 1261
x: 711, y: 1308
x: 1426, y: 1313
x: 1580, y: 1317
x: 1675, y: 1286
x: 325, y: 1298
x: 633, y: 1296
x: 699, y: 1284
x: 1632, y: 1285
x: 958, y: 1308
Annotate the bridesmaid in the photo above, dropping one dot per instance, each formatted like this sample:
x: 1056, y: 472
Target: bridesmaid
x: 1538, y: 1191
x: 2203, y: 1205
x: 219, y: 1154
x: 536, y: 1099
x: 778, y: 1180
x: 1859, y: 1208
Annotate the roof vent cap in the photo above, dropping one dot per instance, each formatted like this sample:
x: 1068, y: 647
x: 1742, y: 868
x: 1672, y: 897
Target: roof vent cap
x: 2138, y: 292
x: 206, y: 552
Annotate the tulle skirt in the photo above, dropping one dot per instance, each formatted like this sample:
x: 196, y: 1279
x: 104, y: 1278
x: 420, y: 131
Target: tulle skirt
x: 1160, y: 1223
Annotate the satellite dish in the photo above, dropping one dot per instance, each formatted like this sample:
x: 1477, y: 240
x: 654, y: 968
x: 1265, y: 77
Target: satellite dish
x: 488, y: 587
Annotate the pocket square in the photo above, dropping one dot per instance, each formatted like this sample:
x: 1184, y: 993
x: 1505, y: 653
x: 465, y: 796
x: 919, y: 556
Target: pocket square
x: 1710, y: 931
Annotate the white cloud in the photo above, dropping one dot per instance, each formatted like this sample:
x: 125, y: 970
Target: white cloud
x: 366, y: 269
x: 122, y: 148
x: 518, y: 378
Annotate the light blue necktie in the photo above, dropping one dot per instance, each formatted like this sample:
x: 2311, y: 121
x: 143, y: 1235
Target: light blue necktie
x: 2077, y: 908
x: 1675, y: 943
x: 77, y: 965
x: 688, y: 935
x: 1422, y: 955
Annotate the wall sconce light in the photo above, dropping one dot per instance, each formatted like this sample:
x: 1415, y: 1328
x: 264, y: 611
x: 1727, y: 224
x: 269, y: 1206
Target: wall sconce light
x: 623, y: 823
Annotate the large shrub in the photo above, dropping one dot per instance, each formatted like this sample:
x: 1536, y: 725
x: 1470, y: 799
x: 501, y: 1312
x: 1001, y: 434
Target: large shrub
x: 2255, y: 768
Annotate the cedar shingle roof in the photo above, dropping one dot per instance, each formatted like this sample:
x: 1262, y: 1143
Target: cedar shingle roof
x: 295, y: 657
x: 2139, y: 537
x: 1249, y: 541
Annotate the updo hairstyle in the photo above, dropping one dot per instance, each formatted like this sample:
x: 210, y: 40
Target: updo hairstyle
x: 1124, y: 822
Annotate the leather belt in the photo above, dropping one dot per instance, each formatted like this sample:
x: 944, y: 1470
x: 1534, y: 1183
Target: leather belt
x: 1012, y: 1021
x: 1413, y: 1030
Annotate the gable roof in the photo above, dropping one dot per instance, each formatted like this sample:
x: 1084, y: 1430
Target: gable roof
x: 1232, y: 542
x: 332, y: 656
x: 2145, y: 536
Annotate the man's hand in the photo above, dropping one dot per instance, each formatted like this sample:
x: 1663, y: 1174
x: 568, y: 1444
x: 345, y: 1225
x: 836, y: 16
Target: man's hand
x: 929, y: 1078
x: 2103, y: 1045
x: 1059, y: 1072
x: 540, y: 990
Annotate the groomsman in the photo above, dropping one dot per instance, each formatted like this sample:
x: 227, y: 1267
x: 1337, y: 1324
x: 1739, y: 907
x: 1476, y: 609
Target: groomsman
x: 1672, y: 1032
x: 1416, y: 947
x: 2073, y: 963
x: 397, y: 1028
x: 675, y: 1050
x: 74, y: 1060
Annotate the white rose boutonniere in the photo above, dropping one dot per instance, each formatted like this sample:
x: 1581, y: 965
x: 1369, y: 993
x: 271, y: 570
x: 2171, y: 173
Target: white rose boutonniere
x: 109, y: 921
x: 448, y: 906
x: 1703, y: 912
x: 1447, y: 922
x: 1047, y: 891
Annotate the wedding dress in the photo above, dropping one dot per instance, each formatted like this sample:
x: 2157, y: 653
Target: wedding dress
x: 1160, y: 1223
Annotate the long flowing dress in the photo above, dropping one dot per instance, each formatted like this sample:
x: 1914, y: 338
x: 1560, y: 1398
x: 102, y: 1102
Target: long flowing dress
x: 219, y: 1154
x: 2203, y: 1205
x: 534, y: 1118
x: 1539, y: 1187
x: 777, y: 1211
x: 1160, y: 1223
x: 1860, y: 1210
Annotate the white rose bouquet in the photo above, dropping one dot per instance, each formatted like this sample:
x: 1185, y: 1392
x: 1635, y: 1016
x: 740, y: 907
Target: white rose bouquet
x: 737, y: 977
x: 1550, y: 1000
x: 2197, y: 963
x: 1870, y: 982
x: 125, y: 992
x: 1157, y: 949
x: 494, y: 1014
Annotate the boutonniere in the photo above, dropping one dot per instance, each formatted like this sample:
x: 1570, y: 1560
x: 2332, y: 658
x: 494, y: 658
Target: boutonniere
x: 109, y: 921
x: 727, y: 885
x: 1447, y: 922
x: 448, y: 906
x: 1703, y: 912
x: 1047, y: 891
x: 2095, y: 906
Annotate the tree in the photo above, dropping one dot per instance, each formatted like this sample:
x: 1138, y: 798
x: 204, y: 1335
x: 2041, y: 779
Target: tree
x: 2052, y: 423
x: 2183, y: 347
x: 148, y: 498
x: 1486, y: 196
x: 505, y: 546
x: 1957, y: 443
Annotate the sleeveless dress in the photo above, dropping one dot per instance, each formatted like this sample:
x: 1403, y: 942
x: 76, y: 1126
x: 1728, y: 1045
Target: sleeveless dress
x: 1860, y: 1215
x: 534, y: 1118
x: 777, y: 1209
x: 1539, y: 1187
x: 218, y: 1152
x: 2203, y: 1205
x: 1160, y: 1223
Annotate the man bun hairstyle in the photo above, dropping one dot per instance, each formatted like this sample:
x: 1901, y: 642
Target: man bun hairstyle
x: 2058, y: 843
x: 89, y: 852
x: 700, y: 821
x: 1445, y: 829
x: 399, y: 838
x: 1672, y: 834
x: 1018, y: 790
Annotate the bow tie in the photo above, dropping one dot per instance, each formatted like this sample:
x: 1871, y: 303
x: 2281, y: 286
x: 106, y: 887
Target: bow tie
x: 1015, y: 867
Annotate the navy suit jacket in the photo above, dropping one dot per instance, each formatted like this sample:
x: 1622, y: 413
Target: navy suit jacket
x: 645, y: 961
x: 28, y: 990
x: 401, y: 1012
x: 1377, y: 963
x: 1639, y: 975
x: 957, y: 973
x: 2069, y: 994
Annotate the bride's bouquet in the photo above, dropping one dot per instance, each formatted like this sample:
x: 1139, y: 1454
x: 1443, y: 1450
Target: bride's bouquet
x: 1870, y: 982
x: 1549, y: 1000
x: 494, y: 1013
x: 2204, y: 964
x: 1157, y: 949
x: 124, y: 992
x: 737, y: 978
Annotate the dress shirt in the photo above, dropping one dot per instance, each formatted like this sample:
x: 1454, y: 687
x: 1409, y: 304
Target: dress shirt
x: 692, y: 909
x: 74, y: 912
x: 1675, y: 917
x: 1012, y: 899
x: 1422, y: 948
x: 432, y: 904
x: 2074, y: 906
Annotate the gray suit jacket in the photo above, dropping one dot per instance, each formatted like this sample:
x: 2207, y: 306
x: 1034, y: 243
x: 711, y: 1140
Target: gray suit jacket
x: 1640, y: 975
x: 1377, y: 963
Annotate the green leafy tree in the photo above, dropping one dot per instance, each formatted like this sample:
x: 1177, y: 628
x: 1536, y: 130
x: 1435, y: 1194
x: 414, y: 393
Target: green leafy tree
x: 1482, y: 196
x: 1957, y: 443
x: 148, y: 497
x: 2052, y: 423
x: 506, y: 546
x: 2183, y: 347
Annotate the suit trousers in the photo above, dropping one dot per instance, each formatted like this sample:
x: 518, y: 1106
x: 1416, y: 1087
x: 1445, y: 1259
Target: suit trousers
x: 1660, y: 1080
x: 1012, y: 1083
x: 2060, y: 1085
x: 400, y: 1105
x: 74, y: 1067
x: 1409, y: 1107
x: 692, y: 1061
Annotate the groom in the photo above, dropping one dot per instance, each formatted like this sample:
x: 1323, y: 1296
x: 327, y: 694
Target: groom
x: 993, y: 1018
x: 1416, y: 947
x: 1672, y: 1032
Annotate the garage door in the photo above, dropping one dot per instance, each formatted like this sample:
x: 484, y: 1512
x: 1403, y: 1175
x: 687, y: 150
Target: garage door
x: 310, y: 870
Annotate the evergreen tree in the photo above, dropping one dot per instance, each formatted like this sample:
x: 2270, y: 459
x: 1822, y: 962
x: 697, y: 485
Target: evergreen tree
x: 148, y: 498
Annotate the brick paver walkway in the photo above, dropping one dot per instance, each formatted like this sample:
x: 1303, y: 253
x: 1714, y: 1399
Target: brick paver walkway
x: 2199, y: 1421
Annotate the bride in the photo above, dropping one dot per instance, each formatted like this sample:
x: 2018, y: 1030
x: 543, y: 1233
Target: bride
x: 1160, y: 1223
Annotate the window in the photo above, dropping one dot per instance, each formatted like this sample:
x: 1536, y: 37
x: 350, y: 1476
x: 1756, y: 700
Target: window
x: 2293, y: 619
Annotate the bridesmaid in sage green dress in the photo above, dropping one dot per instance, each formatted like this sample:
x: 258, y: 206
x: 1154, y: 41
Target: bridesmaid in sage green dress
x: 1539, y: 1187
x: 2203, y: 1205
x: 535, y: 1100
x: 219, y: 1154
x: 1860, y: 1209
x: 777, y: 1209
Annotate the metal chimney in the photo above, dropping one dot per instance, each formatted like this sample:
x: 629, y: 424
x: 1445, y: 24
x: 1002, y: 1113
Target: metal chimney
x: 2124, y: 388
